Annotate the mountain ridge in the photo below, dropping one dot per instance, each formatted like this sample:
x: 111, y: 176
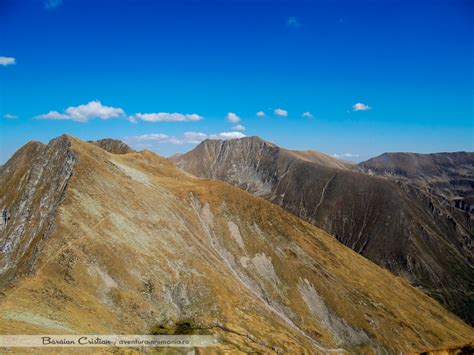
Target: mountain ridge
x: 138, y: 245
x: 398, y: 225
x: 448, y: 175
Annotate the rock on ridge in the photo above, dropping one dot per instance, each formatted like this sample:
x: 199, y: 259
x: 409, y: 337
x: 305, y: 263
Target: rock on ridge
x: 113, y: 146
x: 32, y: 185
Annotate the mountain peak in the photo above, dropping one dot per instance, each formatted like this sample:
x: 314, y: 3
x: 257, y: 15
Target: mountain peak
x: 41, y: 173
x: 237, y: 141
x: 375, y: 216
x: 113, y: 146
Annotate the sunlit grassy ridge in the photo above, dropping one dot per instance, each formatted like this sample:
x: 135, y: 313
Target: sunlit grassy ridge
x: 140, y: 246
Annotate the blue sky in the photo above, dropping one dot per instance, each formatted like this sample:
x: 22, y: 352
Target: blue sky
x: 371, y: 76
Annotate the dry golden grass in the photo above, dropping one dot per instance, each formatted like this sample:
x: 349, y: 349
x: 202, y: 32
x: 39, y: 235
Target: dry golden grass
x: 140, y: 244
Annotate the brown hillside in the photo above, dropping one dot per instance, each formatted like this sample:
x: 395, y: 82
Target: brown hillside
x: 136, y: 245
x: 399, y: 226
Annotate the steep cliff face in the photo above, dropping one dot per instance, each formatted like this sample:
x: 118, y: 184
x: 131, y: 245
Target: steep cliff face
x: 397, y: 225
x: 139, y: 245
x: 32, y: 185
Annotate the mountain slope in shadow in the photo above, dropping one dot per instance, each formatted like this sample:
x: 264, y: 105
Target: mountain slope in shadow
x: 399, y: 226
x: 450, y: 176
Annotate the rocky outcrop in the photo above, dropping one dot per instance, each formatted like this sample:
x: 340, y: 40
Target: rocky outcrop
x: 32, y: 186
x: 400, y: 226
x: 140, y: 247
x: 113, y: 146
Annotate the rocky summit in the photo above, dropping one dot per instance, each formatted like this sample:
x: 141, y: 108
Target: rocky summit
x: 104, y: 243
x: 402, y: 225
x: 113, y: 146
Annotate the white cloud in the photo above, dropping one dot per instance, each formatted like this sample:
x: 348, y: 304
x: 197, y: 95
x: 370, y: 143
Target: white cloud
x: 195, y: 137
x: 84, y: 113
x: 7, y: 61
x: 361, y: 107
x: 238, y: 127
x: 307, y: 114
x: 280, y: 112
x: 345, y: 155
x: 186, y: 138
x: 53, y: 115
x: 10, y: 117
x: 132, y: 119
x: 154, y: 138
x: 95, y: 109
x: 232, y: 117
x: 227, y: 135
x: 293, y: 22
x: 160, y: 137
x: 260, y: 114
x: 166, y: 117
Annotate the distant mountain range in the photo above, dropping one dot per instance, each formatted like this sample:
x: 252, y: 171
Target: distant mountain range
x: 104, y: 240
x: 409, y: 213
x: 449, y: 176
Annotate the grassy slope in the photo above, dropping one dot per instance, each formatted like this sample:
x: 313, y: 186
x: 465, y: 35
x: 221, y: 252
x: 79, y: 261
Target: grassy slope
x: 140, y: 244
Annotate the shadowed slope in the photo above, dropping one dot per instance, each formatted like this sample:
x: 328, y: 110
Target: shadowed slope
x: 449, y: 176
x: 399, y: 226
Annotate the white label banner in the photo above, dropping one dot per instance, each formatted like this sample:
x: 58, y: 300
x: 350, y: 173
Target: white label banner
x: 88, y: 340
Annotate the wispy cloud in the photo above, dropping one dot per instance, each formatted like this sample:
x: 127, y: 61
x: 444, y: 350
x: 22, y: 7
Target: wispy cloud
x: 50, y: 4
x: 147, y: 139
x: 195, y: 137
x: 238, y: 127
x: 7, y: 61
x: 280, y: 112
x: 260, y: 114
x: 361, y: 107
x: 160, y: 137
x: 166, y: 117
x: 293, y: 22
x: 83, y: 113
x: 186, y: 138
x: 345, y: 156
x: 232, y: 117
x: 307, y: 114
x: 10, y: 117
